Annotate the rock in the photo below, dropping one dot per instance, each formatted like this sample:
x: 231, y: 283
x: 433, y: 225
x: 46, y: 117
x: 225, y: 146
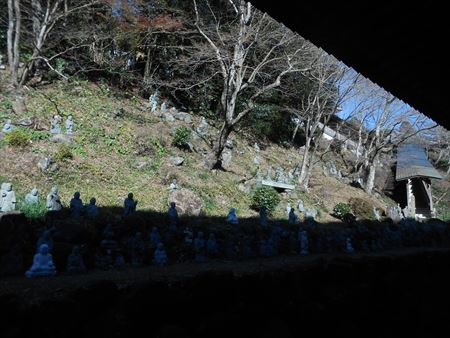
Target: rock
x: 25, y: 122
x: 187, y: 202
x: 176, y: 160
x: 183, y: 117
x: 141, y: 165
x: 168, y: 117
x: 47, y: 164
x: 61, y: 138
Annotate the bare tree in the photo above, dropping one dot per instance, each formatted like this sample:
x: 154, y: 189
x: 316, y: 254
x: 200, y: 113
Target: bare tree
x: 251, y: 53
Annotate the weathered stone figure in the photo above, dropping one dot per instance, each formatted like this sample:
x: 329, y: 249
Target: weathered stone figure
x: 153, y: 101
x: 304, y: 242
x: 69, y: 125
x: 232, y: 218
x: 92, y: 209
x: 55, y: 127
x: 76, y: 205
x: 202, y: 128
x: 300, y: 206
x: 164, y: 107
x: 137, y: 250
x: 8, y: 198
x: 173, y: 216
x: 292, y: 217
x: 200, y: 247
x: 45, y: 238
x: 155, y: 237
x: 42, y: 264
x: 8, y: 127
x: 263, y: 219
x: 349, y: 246
x: 174, y: 185
x: 32, y: 197
x: 129, y: 205
x: 288, y: 208
x: 75, y: 263
x: 211, y: 245
x: 269, y: 174
x: 160, y: 256
x: 53, y: 200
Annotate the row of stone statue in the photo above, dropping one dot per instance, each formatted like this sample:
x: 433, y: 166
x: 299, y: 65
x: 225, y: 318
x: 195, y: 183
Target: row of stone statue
x: 55, y: 125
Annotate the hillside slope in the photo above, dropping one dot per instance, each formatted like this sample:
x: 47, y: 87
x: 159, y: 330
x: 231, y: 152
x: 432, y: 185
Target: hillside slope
x: 120, y: 146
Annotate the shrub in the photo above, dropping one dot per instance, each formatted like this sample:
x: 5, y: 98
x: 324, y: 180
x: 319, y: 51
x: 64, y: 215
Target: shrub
x: 34, y: 211
x: 341, y: 210
x: 18, y: 138
x: 361, y: 208
x: 64, y: 153
x: 265, y: 196
x: 182, y: 137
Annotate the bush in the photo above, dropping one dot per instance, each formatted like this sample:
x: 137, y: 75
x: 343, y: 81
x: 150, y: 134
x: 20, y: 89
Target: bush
x: 265, y: 196
x: 182, y: 137
x: 18, y: 138
x: 64, y: 153
x: 341, y: 210
x: 34, y: 211
x: 361, y: 208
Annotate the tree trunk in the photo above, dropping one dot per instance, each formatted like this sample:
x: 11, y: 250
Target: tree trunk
x: 370, y: 180
x: 303, y: 170
x: 213, y: 159
x: 10, y: 36
x: 16, y: 46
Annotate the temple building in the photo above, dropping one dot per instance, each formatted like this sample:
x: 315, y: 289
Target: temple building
x: 413, y: 181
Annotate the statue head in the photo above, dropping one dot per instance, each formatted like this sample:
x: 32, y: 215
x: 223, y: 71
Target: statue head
x: 8, y: 122
x: 212, y: 236
x: 8, y: 186
x: 76, y: 250
x: 173, y: 204
x: 233, y: 211
x: 34, y: 192
x: 200, y: 234
x: 76, y: 195
x: 43, y: 249
x: 70, y: 117
x: 155, y: 229
x: 92, y: 201
x: 160, y: 246
x: 55, y: 190
x: 130, y: 195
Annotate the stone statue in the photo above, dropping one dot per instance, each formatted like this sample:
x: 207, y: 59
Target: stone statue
x: 129, y: 205
x: 269, y: 173
x: 188, y: 236
x: 137, y: 249
x: 160, y: 256
x: 173, y: 216
x: 211, y: 245
x: 256, y: 147
x: 164, y: 107
x: 280, y: 176
x: 232, y: 218
x: 55, y: 127
x: 288, y: 208
x: 174, y: 185
x: 7, y: 198
x: 155, y: 237
x: 199, y: 247
x: 69, y: 125
x: 376, y: 214
x: 349, y: 246
x: 203, y: 127
x: 45, y: 238
x: 263, y: 219
x: 8, y: 127
x: 76, y: 205
x: 153, y: 101
x: 300, y: 206
x: 53, y: 200
x: 42, y: 264
x: 292, y: 216
x: 304, y: 242
x: 75, y: 263
x: 91, y: 208
x: 32, y: 197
